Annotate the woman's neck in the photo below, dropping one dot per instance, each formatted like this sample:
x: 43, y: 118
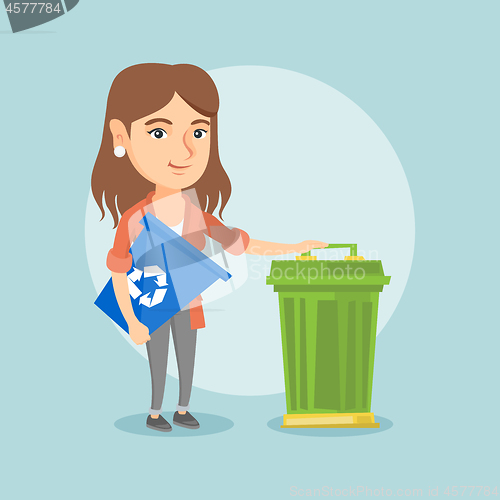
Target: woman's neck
x: 164, y: 191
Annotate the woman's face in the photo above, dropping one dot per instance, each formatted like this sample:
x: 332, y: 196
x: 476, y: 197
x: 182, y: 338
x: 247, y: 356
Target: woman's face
x: 171, y: 146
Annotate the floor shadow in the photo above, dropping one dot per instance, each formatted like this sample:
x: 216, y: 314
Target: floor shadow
x: 275, y: 425
x: 209, y: 424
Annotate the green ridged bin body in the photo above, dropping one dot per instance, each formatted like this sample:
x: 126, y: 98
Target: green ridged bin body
x: 328, y: 314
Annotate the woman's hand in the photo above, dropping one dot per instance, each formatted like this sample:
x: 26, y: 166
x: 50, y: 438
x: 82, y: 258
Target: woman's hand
x: 307, y: 245
x: 138, y: 332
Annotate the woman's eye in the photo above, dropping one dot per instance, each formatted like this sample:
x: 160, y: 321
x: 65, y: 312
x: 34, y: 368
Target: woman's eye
x: 158, y: 133
x: 199, y: 133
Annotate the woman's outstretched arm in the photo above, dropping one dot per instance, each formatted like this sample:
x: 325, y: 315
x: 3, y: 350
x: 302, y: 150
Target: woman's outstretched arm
x: 258, y: 247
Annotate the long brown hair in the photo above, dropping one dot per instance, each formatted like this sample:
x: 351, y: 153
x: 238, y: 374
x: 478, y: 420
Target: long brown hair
x: 136, y: 92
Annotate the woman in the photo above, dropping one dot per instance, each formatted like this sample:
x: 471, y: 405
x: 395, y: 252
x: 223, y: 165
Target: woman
x: 159, y: 154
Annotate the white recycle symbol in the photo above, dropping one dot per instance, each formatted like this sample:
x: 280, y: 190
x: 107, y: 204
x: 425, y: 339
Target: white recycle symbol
x: 149, y: 272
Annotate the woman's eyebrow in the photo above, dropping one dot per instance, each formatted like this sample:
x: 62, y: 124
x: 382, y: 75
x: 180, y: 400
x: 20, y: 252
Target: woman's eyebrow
x: 200, y: 121
x: 156, y: 120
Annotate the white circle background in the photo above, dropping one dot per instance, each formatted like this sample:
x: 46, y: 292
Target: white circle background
x: 305, y: 162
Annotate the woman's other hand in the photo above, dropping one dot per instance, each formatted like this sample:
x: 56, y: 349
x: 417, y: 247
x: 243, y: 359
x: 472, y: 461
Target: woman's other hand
x: 138, y: 332
x: 307, y: 245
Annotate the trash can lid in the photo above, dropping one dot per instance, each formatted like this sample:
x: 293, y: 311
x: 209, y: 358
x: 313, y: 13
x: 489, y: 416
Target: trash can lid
x: 327, y: 272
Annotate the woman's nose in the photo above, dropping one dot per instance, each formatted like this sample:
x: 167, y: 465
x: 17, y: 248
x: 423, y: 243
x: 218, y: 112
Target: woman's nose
x: 183, y: 148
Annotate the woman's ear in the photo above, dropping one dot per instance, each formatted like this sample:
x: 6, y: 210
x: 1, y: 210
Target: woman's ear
x: 119, y: 133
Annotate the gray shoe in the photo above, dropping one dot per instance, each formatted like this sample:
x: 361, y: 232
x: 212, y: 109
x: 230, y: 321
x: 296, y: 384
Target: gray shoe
x: 158, y: 424
x: 187, y: 420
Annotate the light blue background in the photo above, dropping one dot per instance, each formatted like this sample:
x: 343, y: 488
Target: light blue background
x: 427, y: 74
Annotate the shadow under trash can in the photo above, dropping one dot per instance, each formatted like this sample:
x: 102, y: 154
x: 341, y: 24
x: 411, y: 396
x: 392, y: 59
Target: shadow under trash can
x: 328, y: 312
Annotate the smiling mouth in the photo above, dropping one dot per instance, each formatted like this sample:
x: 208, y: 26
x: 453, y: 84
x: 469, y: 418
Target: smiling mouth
x: 178, y: 169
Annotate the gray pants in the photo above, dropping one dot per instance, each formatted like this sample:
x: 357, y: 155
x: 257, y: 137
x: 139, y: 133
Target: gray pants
x: 185, y: 346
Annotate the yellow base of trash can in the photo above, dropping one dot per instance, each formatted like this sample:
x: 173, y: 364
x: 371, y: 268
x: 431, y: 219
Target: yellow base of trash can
x: 357, y: 420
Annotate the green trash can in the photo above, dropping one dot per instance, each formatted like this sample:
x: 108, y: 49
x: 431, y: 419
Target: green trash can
x: 328, y: 312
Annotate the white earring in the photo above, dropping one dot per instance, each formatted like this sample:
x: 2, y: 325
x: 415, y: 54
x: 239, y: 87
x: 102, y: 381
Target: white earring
x: 120, y: 151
